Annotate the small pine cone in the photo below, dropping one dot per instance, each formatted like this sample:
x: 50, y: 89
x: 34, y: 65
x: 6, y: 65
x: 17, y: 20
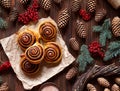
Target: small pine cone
x: 103, y: 82
x: 46, y: 4
x: 106, y: 89
x: 4, y: 87
x: 117, y: 80
x: 116, y: 26
x: 74, y: 44
x: 75, y: 5
x: 115, y: 87
x: 71, y: 73
x: 81, y: 30
x: 24, y: 1
x: 57, y: 1
x: 13, y: 14
x: 100, y: 14
x: 6, y: 3
x: 91, y: 87
x: 63, y: 18
x: 91, y: 5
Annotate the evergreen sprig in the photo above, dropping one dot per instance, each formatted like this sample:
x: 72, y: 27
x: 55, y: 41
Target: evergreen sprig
x: 3, y: 24
x: 113, y: 50
x: 84, y: 58
x: 105, y: 33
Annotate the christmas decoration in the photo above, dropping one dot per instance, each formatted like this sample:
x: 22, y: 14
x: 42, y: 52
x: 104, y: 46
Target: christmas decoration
x: 100, y: 14
x: 81, y: 30
x: 85, y: 15
x: 13, y: 14
x: 4, y: 87
x: 71, y: 73
x: 96, y: 49
x: 91, y: 87
x: 106, y: 89
x: 115, y: 3
x: 93, y: 72
x: 63, y: 18
x: 113, y: 50
x: 116, y: 26
x: 6, y: 3
x: 115, y: 87
x: 30, y: 15
x: 3, y: 24
x: 103, y: 82
x: 57, y: 1
x: 84, y: 58
x: 91, y: 5
x: 5, y: 66
x: 24, y: 1
x: 46, y: 4
x: 74, y: 44
x: 105, y: 33
x: 75, y: 5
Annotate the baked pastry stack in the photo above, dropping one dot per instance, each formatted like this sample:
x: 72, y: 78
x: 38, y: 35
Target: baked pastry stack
x: 39, y: 46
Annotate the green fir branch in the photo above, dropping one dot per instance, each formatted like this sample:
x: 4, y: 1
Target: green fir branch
x: 105, y: 33
x: 113, y: 50
x: 84, y: 58
x: 3, y: 24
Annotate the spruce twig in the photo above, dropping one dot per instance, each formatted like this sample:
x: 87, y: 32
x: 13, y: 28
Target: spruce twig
x: 104, y: 30
x: 3, y: 24
x: 84, y: 58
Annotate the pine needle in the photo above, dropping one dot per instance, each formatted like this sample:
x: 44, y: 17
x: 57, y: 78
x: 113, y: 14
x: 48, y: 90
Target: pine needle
x: 105, y: 33
x: 84, y: 58
x: 3, y: 24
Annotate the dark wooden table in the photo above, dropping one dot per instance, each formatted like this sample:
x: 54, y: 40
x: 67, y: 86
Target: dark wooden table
x: 59, y: 79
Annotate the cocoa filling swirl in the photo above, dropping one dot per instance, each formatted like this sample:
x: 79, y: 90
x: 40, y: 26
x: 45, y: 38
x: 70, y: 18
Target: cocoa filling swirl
x: 34, y: 53
x: 28, y: 67
x: 48, y: 31
x: 52, y: 53
x: 26, y: 40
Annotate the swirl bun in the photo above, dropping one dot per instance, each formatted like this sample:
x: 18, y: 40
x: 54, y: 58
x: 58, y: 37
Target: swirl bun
x: 48, y: 31
x: 26, y: 39
x: 29, y: 68
x: 35, y: 53
x: 53, y: 53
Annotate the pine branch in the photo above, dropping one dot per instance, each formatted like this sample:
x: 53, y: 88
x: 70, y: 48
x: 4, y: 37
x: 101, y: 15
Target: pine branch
x: 84, y: 58
x: 3, y: 24
x: 113, y: 50
x: 105, y: 33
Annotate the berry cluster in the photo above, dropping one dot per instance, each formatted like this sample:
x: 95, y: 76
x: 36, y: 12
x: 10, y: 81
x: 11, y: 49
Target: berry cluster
x: 85, y: 15
x: 30, y: 15
x: 96, y: 49
x: 5, y: 66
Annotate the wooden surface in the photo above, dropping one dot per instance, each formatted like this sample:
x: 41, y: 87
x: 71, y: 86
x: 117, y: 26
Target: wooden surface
x: 59, y: 79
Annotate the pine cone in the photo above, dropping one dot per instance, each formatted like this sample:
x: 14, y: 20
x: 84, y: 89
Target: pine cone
x: 4, y: 87
x: 117, y: 80
x: 71, y: 73
x: 91, y: 6
x: 24, y: 1
x: 103, y: 82
x: 46, y: 4
x: 6, y: 3
x: 13, y: 14
x: 74, y: 44
x: 75, y: 5
x: 91, y: 87
x: 116, y: 26
x: 115, y: 87
x: 100, y: 14
x: 81, y: 30
x: 63, y: 18
x: 57, y: 1
x: 106, y: 89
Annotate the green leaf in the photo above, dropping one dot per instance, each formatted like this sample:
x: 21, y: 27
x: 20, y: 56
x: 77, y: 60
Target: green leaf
x: 82, y: 66
x: 97, y: 28
x: 3, y: 24
x: 102, y: 39
x: 114, y: 45
x: 108, y: 34
x: 106, y: 24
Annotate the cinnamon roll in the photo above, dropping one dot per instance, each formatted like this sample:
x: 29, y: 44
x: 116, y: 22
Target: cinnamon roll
x: 35, y: 53
x: 29, y: 68
x: 26, y: 39
x: 53, y: 53
x: 48, y: 31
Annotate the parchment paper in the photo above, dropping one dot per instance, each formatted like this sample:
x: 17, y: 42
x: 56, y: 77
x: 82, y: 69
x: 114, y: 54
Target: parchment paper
x: 13, y: 52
